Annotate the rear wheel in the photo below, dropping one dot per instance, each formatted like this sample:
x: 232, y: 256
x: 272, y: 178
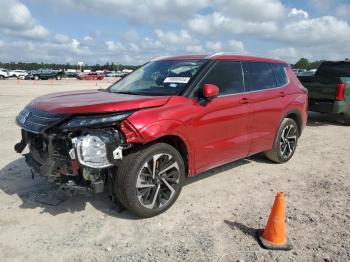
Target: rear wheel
x: 36, y: 77
x: 58, y: 77
x: 1, y: 77
x: 347, y: 120
x: 285, y: 142
x: 150, y: 180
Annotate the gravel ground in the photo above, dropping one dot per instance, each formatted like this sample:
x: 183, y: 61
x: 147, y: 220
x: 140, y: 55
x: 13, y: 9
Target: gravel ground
x: 215, y: 216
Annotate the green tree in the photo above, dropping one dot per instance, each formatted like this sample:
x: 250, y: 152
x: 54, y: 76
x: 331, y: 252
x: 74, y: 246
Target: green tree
x: 303, y: 63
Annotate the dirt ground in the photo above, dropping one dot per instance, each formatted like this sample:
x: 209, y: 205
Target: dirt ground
x: 215, y: 216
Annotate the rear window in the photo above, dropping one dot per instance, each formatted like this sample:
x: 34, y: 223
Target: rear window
x: 259, y: 76
x: 334, y: 69
x: 280, y: 74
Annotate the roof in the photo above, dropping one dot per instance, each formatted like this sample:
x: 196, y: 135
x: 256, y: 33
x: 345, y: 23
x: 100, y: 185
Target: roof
x: 222, y: 56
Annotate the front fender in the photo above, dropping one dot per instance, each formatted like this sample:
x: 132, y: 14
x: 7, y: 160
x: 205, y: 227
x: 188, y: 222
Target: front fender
x: 163, y: 128
x: 169, y: 127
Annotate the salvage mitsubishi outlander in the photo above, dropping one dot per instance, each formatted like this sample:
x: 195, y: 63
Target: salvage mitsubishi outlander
x: 173, y: 118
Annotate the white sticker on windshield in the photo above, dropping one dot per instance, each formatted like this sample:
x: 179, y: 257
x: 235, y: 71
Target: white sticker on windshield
x: 180, y: 80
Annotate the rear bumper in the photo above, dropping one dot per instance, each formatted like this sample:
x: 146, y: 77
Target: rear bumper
x: 335, y: 107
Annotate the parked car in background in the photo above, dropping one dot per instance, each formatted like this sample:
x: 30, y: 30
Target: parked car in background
x: 18, y: 73
x: 115, y: 74
x: 307, y: 73
x: 4, y: 74
x: 45, y: 74
x: 329, y: 89
x: 91, y: 76
x: 70, y: 74
x: 172, y: 118
x: 109, y: 74
x: 299, y: 71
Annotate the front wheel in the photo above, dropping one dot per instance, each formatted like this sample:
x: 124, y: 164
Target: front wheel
x: 285, y: 142
x: 36, y: 77
x: 2, y: 77
x: 58, y: 77
x: 150, y: 179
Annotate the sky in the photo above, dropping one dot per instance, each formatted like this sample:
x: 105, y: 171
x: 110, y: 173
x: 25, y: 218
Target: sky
x: 136, y: 31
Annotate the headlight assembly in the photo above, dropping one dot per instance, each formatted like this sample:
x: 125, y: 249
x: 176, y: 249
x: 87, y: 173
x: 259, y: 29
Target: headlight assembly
x: 96, y: 120
x: 99, y: 150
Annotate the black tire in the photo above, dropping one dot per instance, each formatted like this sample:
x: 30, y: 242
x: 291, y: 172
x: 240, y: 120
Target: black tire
x: 2, y: 77
x: 283, y: 149
x: 132, y: 169
x: 36, y: 77
x: 58, y: 77
x: 347, y: 120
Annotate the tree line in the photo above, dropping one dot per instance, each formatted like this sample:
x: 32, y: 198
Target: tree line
x: 303, y: 63
x: 36, y: 66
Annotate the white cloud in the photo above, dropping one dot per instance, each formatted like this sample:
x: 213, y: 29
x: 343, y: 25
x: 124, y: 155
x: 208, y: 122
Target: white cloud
x: 61, y: 39
x: 252, y: 10
x: 202, y: 26
x: 173, y: 38
x: 343, y: 11
x: 16, y: 20
x: 115, y: 46
x: 149, y: 11
x: 197, y: 49
x: 298, y: 13
x: 149, y: 43
x: 214, y: 46
x: 217, y: 23
x: 131, y: 36
x: 326, y: 30
x: 236, y: 46
x: 290, y: 54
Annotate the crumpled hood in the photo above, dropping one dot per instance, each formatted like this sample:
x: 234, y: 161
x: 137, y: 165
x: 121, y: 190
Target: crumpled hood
x: 93, y: 101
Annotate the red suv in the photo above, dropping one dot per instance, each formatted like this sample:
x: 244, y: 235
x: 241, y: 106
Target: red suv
x: 172, y: 118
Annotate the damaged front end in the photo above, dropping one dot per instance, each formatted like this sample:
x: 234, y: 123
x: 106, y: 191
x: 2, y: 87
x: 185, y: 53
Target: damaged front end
x: 77, y: 152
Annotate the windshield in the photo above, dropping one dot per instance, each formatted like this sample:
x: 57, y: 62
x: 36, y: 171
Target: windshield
x: 159, y: 78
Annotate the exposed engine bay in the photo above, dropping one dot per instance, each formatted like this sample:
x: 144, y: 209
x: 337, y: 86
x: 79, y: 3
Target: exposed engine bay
x: 77, y: 152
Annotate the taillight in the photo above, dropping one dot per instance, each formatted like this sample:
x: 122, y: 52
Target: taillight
x: 340, y: 92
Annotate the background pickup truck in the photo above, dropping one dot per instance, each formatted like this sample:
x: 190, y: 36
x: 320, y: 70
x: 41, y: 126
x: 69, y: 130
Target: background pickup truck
x: 329, y: 89
x: 45, y: 74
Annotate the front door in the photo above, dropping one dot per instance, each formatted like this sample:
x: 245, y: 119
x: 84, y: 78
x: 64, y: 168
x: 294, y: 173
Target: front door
x: 220, y: 127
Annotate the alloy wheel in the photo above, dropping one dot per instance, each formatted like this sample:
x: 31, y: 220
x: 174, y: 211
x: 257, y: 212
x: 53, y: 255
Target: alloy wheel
x: 157, y: 181
x: 288, y: 141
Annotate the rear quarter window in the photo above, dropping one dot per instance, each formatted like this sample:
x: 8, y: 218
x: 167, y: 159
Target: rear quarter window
x: 259, y: 76
x: 280, y: 74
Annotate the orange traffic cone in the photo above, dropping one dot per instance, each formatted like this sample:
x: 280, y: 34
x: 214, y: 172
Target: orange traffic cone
x: 274, y: 234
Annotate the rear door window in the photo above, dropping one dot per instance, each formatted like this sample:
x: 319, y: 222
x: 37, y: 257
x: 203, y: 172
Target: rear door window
x: 280, y: 74
x: 259, y: 76
x: 227, y: 76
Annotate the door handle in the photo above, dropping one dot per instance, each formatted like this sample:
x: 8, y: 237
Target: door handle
x: 244, y: 101
x: 282, y: 94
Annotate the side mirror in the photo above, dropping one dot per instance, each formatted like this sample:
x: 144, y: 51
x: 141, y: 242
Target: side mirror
x: 210, y: 91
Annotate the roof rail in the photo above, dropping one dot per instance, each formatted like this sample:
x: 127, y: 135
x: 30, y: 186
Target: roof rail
x: 218, y: 53
x: 160, y: 57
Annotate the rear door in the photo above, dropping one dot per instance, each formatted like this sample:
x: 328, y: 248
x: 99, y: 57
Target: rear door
x: 220, y: 127
x: 268, y: 98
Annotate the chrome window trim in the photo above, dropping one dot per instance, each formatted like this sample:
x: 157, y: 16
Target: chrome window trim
x: 255, y: 91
